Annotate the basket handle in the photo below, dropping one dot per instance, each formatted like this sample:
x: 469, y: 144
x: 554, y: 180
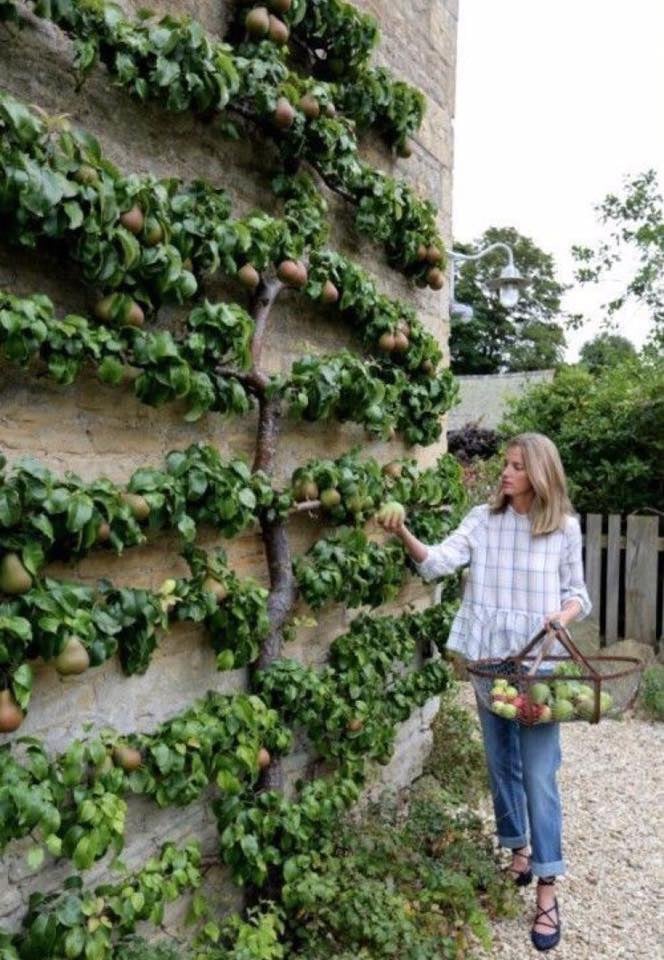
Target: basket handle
x: 564, y: 636
x: 556, y: 629
x: 544, y: 650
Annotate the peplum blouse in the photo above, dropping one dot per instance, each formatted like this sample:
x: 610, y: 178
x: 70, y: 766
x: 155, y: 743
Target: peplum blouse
x: 515, y: 579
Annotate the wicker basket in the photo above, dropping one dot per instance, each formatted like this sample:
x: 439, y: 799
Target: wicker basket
x: 542, y: 688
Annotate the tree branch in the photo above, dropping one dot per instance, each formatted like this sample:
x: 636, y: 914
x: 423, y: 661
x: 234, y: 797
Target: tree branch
x: 305, y: 505
x: 253, y: 380
x: 329, y: 183
x: 266, y: 293
x: 283, y: 588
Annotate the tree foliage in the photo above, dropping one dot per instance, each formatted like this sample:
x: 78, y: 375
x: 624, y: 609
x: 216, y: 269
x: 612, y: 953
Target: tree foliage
x: 528, y: 337
x: 635, y: 221
x: 139, y: 243
x: 606, y: 350
x: 608, y: 428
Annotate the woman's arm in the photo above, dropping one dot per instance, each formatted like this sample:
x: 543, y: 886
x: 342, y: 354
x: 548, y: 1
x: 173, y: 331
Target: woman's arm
x: 574, y: 600
x: 416, y: 549
x: 442, y: 558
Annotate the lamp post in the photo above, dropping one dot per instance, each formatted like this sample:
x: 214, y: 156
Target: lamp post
x: 508, y: 285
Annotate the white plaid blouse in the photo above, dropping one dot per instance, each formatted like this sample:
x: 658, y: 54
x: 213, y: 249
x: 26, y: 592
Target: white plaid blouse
x: 514, y: 579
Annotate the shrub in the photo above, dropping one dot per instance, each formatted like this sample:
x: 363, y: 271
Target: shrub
x: 456, y: 759
x: 419, y: 886
x: 139, y: 949
x: 480, y: 479
x: 471, y: 442
x: 608, y: 430
x: 652, y: 692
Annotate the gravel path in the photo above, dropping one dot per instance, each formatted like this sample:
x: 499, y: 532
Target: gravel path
x: 612, y: 899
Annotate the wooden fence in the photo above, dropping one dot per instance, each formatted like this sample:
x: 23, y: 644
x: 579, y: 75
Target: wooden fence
x: 624, y: 565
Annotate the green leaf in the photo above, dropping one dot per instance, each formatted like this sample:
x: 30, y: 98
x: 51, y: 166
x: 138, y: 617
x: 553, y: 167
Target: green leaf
x: 22, y: 685
x: 53, y: 844
x: 35, y: 857
x: 111, y: 370
x: 247, y: 498
x: 79, y: 512
x: 32, y: 554
x: 226, y: 781
x: 225, y: 660
x: 74, y: 943
x: 10, y: 507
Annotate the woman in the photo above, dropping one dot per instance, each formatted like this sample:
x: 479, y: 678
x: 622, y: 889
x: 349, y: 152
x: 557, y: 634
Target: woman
x: 526, y: 572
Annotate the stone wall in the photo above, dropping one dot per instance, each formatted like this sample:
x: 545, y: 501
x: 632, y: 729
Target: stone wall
x: 96, y: 430
x: 483, y: 397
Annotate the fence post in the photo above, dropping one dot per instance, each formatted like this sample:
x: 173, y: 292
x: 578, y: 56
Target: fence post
x: 612, y: 579
x: 594, y: 562
x: 641, y: 579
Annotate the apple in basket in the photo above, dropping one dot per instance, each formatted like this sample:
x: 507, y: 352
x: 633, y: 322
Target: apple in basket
x: 562, y: 709
x: 498, y: 690
x: 540, y: 693
x: 545, y: 714
x: 605, y: 701
x: 507, y: 710
x: 529, y: 712
x: 585, y: 705
x: 563, y: 690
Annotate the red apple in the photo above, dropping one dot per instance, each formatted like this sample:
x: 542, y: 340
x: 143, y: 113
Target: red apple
x: 545, y: 714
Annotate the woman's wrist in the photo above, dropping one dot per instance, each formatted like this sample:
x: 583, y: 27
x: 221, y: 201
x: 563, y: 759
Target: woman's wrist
x: 570, y: 611
x: 417, y: 550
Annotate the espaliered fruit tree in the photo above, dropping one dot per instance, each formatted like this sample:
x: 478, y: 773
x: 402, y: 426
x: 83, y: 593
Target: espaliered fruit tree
x: 297, y: 73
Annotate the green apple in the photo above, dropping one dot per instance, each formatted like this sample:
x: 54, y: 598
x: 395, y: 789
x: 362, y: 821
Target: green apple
x: 511, y: 692
x: 585, y: 707
x: 508, y: 711
x: 562, y: 690
x: 540, y: 693
x: 562, y: 709
x: 605, y: 701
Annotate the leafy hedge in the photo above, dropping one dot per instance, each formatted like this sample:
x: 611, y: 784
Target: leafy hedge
x: 608, y: 428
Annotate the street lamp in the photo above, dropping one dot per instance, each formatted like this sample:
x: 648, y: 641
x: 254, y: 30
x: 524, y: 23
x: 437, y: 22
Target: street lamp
x: 509, y: 284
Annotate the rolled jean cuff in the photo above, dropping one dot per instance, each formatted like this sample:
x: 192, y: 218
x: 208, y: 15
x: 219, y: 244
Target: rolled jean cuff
x: 513, y: 843
x: 554, y: 868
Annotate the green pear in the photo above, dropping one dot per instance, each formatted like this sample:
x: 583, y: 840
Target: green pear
x: 14, y: 578
x: 73, y: 658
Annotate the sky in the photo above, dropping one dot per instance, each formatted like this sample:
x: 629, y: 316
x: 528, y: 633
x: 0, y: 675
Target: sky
x: 555, y: 103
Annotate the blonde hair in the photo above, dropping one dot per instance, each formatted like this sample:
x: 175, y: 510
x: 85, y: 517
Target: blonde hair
x: 551, y: 504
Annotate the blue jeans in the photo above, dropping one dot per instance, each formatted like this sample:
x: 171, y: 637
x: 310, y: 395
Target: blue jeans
x: 523, y: 762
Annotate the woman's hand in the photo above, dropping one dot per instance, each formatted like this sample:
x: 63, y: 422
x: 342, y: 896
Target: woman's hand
x: 392, y: 517
x: 565, y: 616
